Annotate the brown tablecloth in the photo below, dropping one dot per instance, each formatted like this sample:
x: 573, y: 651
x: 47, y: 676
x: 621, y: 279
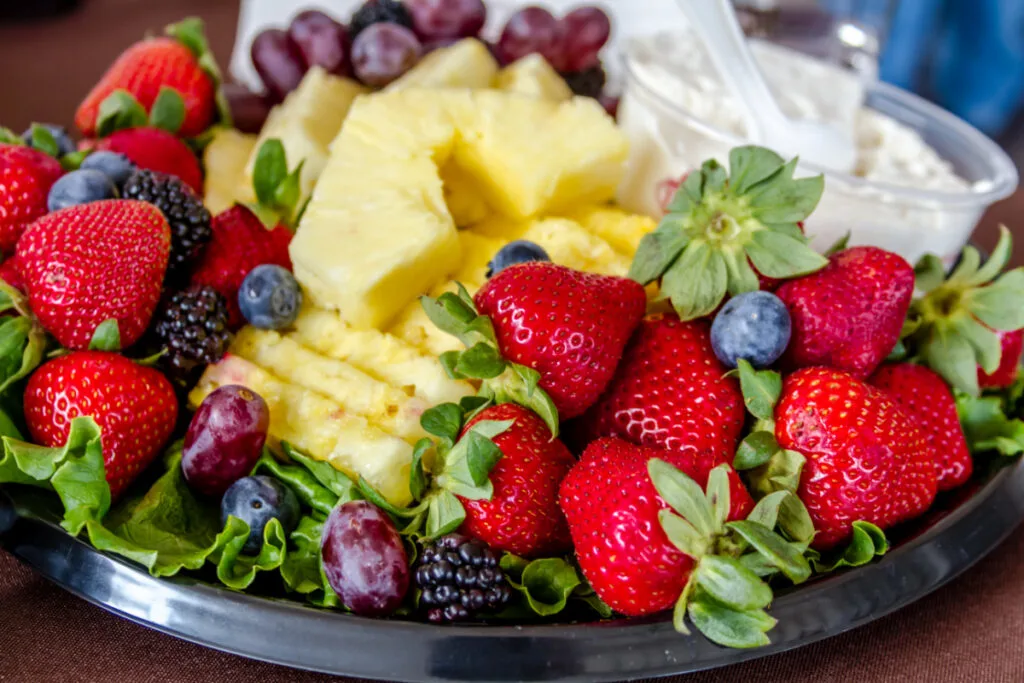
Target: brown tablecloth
x: 971, y: 630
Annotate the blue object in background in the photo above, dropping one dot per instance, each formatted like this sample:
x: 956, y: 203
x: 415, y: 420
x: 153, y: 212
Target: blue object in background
x: 966, y: 55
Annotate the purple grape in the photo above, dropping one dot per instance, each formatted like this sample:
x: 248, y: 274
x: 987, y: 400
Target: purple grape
x: 436, y: 19
x: 530, y: 30
x: 224, y: 439
x: 321, y: 41
x: 383, y: 52
x: 249, y: 110
x: 364, y: 559
x: 587, y: 30
x: 278, y: 62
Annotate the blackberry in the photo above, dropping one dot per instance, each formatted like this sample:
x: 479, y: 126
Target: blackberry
x: 184, y: 211
x: 588, y: 82
x: 378, y: 11
x: 459, y: 578
x: 193, y: 325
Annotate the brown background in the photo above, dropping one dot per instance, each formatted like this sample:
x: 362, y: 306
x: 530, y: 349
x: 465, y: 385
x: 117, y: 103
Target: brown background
x: 971, y: 630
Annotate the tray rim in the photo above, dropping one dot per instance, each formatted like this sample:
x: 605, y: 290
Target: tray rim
x: 595, y: 651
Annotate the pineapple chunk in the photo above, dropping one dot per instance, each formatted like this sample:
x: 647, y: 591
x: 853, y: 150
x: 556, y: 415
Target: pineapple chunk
x: 389, y: 408
x: 621, y: 229
x: 414, y: 327
x: 564, y: 240
x: 533, y: 76
x: 306, y: 122
x: 463, y: 196
x: 466, y: 64
x: 534, y: 156
x: 379, y: 355
x: 224, y: 160
x: 378, y: 233
x: 319, y: 427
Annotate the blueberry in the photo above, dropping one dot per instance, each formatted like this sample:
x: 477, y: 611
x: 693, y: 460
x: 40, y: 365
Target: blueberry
x: 519, y: 251
x: 270, y: 297
x: 754, y: 326
x: 80, y: 187
x: 115, y: 166
x: 65, y: 145
x: 257, y: 500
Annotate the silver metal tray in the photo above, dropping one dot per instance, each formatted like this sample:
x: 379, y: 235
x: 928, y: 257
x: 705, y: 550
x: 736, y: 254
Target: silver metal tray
x: 961, y: 529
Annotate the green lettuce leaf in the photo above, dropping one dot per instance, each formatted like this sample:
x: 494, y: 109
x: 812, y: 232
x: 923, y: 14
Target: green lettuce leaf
x: 74, y: 471
x: 547, y: 584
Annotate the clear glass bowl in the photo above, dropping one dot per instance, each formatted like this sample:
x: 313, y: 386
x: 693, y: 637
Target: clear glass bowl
x: 667, y: 141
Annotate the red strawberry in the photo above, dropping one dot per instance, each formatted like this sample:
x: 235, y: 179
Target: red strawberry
x: 89, y: 263
x: 848, y: 315
x: 240, y: 243
x: 569, y: 326
x: 181, y: 62
x: 670, y: 391
x: 157, y: 150
x: 134, y: 406
x: 929, y: 403
x: 865, y: 459
x: 612, y: 507
x: 522, y: 516
x: 1011, y: 344
x: 26, y: 176
x: 11, y: 274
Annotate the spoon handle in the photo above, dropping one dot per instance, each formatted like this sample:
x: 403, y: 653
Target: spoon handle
x: 716, y: 22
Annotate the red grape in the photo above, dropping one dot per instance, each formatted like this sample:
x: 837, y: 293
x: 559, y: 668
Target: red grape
x: 278, y: 62
x: 436, y: 19
x: 587, y: 30
x: 322, y: 41
x: 530, y: 30
x: 610, y: 104
x: 249, y: 110
x: 383, y: 52
x: 224, y: 439
x: 364, y: 559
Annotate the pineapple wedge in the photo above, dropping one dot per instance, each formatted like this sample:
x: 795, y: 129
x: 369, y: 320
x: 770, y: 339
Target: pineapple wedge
x: 533, y: 76
x: 463, y: 196
x: 224, y: 159
x: 621, y: 229
x: 414, y: 327
x: 379, y: 355
x: 466, y: 64
x: 319, y: 427
x: 535, y: 156
x: 306, y: 122
x: 378, y: 233
x: 354, y: 391
x: 564, y: 240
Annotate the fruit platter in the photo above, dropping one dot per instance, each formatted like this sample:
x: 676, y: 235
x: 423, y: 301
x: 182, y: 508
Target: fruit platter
x: 379, y: 355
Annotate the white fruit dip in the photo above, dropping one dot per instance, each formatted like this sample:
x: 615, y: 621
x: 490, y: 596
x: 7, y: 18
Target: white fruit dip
x: 902, y: 195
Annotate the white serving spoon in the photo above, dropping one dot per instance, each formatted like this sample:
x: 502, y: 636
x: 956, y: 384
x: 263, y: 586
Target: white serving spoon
x: 820, y: 143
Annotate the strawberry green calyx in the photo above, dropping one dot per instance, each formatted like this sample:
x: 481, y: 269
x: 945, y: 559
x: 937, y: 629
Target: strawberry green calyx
x: 42, y: 139
x: 445, y: 468
x: 725, y: 597
x: 953, y: 327
x: 121, y: 111
x: 501, y: 381
x: 9, y: 137
x: 718, y: 224
x: 277, y: 190
x: 191, y: 32
x: 773, y: 474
